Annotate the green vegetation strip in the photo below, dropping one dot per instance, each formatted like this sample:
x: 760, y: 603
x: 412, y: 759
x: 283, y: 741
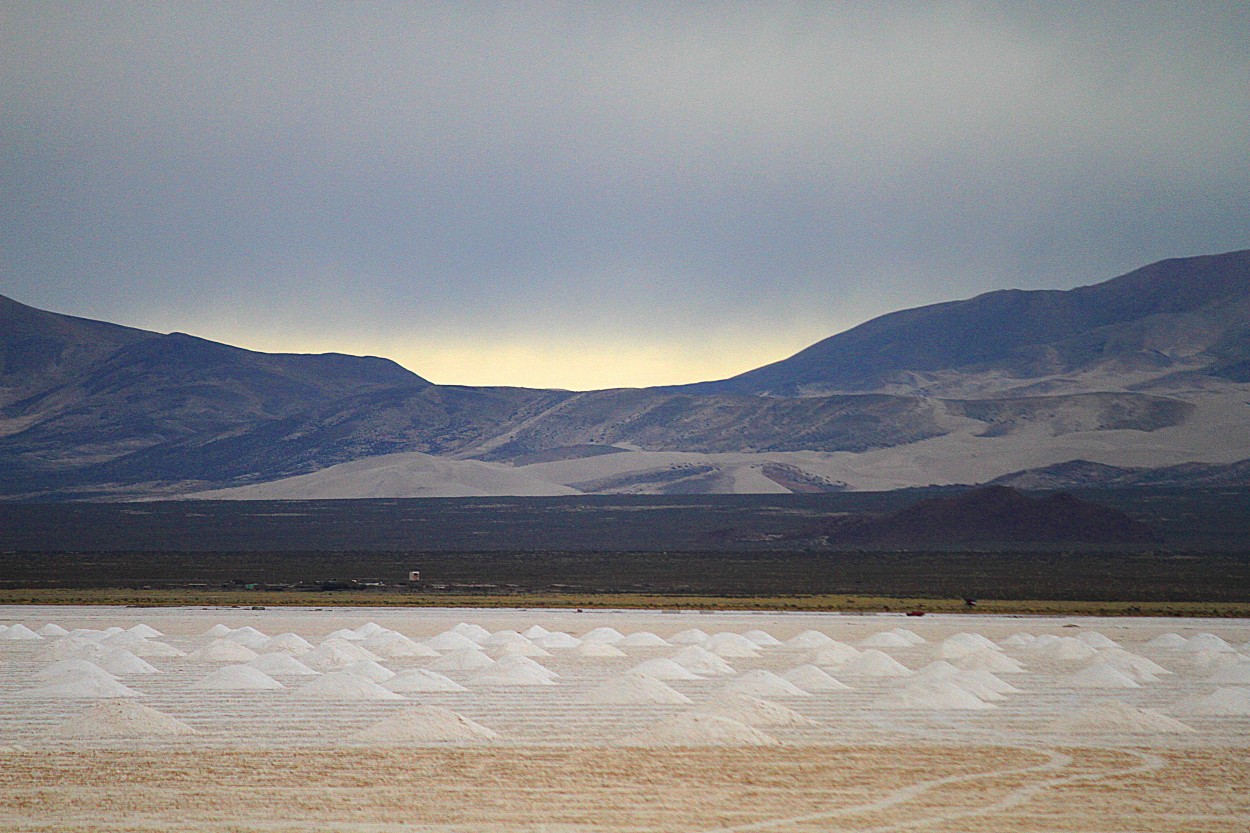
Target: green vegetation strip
x: 843, y: 603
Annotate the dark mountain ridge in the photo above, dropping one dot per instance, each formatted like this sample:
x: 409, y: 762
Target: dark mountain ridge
x: 90, y: 408
x: 1031, y: 332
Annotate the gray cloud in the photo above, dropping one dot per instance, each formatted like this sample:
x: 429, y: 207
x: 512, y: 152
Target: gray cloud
x: 709, y: 177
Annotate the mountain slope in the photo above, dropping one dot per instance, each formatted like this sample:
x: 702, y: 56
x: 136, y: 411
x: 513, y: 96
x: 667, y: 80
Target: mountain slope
x: 1181, y: 314
x: 78, y: 394
x: 39, y: 350
x: 1143, y: 371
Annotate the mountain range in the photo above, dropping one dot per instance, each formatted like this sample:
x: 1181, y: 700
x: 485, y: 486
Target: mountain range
x: 1140, y: 377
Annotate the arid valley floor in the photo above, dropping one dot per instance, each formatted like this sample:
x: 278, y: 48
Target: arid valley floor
x: 541, y: 720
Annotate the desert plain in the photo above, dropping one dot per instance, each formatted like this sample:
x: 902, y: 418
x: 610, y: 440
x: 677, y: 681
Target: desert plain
x: 372, y: 719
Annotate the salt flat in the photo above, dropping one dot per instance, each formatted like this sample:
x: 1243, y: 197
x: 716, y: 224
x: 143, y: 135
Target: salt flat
x: 383, y: 719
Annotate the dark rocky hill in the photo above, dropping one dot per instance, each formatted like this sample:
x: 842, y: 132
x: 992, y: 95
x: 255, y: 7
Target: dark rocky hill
x: 999, y: 515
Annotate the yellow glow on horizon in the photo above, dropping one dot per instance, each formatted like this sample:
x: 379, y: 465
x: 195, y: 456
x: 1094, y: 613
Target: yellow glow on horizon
x: 580, y: 366
x: 531, y: 363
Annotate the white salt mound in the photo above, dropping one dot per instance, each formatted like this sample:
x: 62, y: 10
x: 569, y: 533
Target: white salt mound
x: 976, y: 686
x: 526, y: 664
x: 833, y: 655
x: 933, y: 694
x: 690, y: 636
x: 467, y: 629
x: 604, y: 634
x: 978, y: 640
x: 700, y: 729
x: 1206, y: 660
x: 145, y: 631
x: 502, y: 638
x: 911, y: 636
x: 67, y: 669
x: 52, y: 629
x: 762, y: 638
x: 345, y: 633
x: 983, y: 660
x: 287, y: 643
x: 753, y: 711
x: 534, y: 631
x: 335, y: 655
x: 342, y: 685
x: 521, y: 649
x: 420, y: 680
x: 1139, y: 669
x: 1236, y: 673
x: 1229, y: 701
x: 636, y: 689
x: 82, y: 686
x: 19, y: 633
x: 1017, y: 640
x: 663, y: 669
x: 282, y: 665
x: 983, y: 680
x: 1064, y: 649
x: 812, y: 679
x: 153, y: 648
x: 462, y: 659
x: 1208, y: 642
x: 884, y: 639
x: 809, y: 639
x: 1099, y: 675
x: 698, y: 660
x: 237, y: 678
x: 217, y: 630
x: 939, y: 668
x: 222, y: 650
x: 761, y: 683
x: 964, y: 643
x: 370, y: 629
x: 514, y: 676
x: 556, y: 640
x: 348, y: 648
x: 426, y: 724
x: 252, y: 638
x: 392, y: 645
x: 124, y: 640
x: 591, y: 648
x: 731, y: 645
x: 642, y: 639
x: 70, y: 646
x: 370, y: 670
x: 119, y: 661
x: 1113, y: 717
x: 453, y: 640
x: 119, y: 718
x: 874, y: 663
x: 1094, y: 639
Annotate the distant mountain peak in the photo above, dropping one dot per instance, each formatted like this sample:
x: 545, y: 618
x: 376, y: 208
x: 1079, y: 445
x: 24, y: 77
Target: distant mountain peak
x: 1026, y: 334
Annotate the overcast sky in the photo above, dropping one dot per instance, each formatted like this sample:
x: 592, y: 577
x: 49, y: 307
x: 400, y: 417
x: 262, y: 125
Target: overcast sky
x: 602, y: 194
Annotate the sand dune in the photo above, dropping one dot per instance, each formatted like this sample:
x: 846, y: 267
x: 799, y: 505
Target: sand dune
x: 1218, y: 431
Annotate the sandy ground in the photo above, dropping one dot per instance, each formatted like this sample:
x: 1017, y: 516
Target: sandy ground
x: 275, y: 761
